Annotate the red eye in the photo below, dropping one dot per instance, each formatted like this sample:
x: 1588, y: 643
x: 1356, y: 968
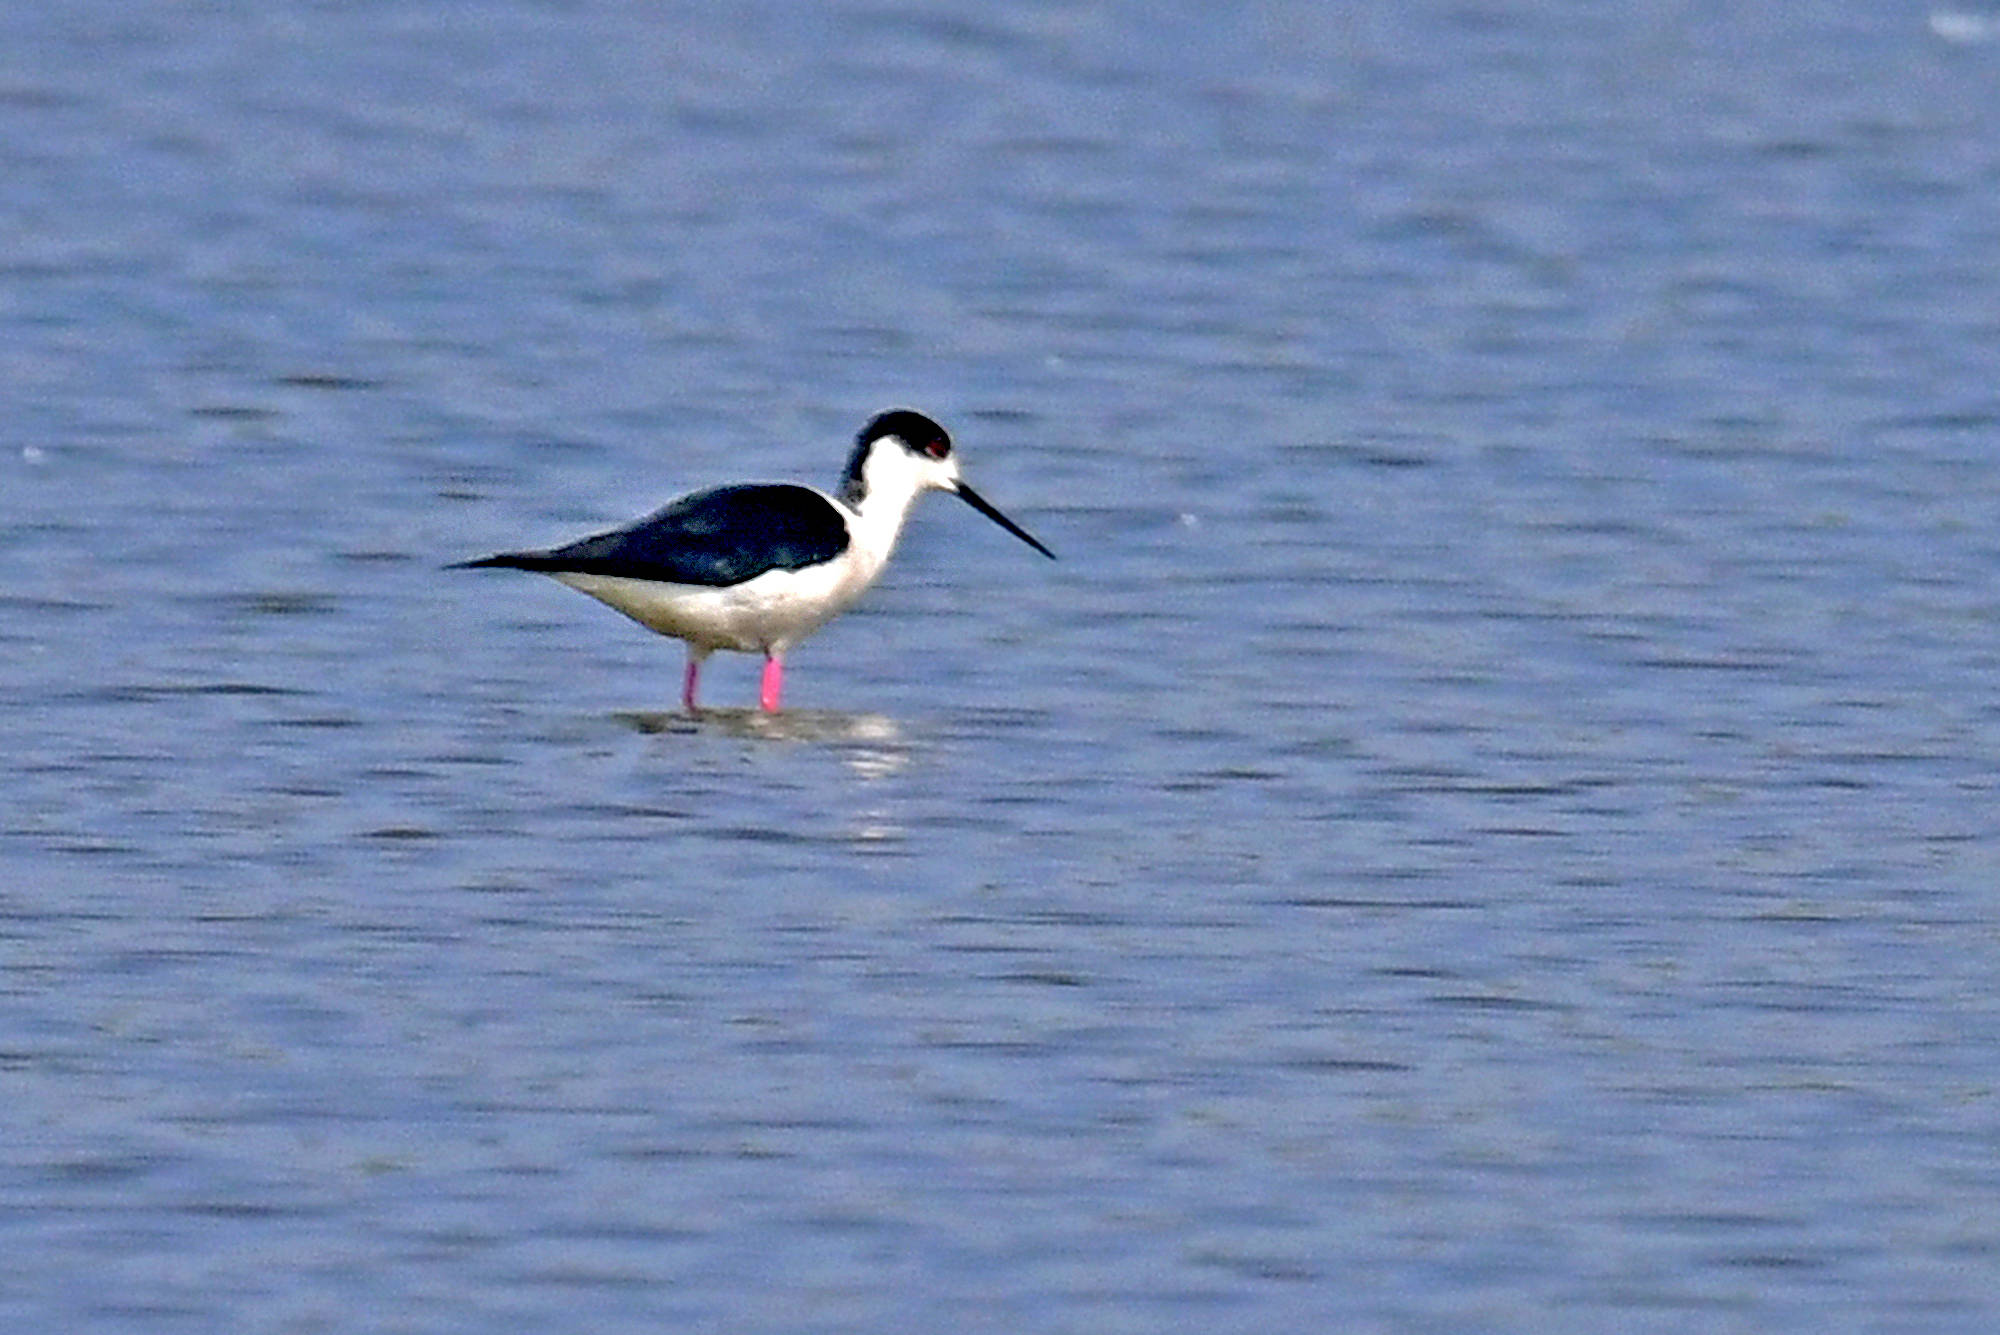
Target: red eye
x: 937, y: 447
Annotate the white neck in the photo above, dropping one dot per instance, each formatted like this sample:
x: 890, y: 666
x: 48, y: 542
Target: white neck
x: 892, y: 480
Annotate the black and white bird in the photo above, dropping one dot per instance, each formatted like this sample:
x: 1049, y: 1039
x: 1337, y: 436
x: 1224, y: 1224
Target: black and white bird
x: 757, y: 567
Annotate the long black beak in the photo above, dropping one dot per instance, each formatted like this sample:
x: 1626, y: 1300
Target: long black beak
x: 978, y: 502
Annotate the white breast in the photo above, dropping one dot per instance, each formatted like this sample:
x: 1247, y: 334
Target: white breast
x: 768, y: 614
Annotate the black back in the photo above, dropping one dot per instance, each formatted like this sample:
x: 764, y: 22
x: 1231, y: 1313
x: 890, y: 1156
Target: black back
x: 718, y: 537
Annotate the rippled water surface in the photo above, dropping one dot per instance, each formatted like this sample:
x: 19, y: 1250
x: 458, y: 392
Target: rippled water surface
x: 1490, y: 826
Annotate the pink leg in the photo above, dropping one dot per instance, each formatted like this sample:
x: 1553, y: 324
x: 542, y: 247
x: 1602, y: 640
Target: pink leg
x: 689, y: 680
x: 774, y: 683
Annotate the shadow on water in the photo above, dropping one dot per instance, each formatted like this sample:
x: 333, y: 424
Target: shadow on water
x: 822, y: 726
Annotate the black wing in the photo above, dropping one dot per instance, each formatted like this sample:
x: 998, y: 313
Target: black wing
x: 718, y: 537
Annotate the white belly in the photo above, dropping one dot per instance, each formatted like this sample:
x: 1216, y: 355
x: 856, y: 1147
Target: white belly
x: 768, y: 614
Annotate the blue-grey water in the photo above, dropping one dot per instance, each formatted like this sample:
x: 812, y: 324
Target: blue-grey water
x: 1490, y: 826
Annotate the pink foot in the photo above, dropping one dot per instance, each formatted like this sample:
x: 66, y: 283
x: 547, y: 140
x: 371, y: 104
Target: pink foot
x: 689, y: 680
x: 774, y: 683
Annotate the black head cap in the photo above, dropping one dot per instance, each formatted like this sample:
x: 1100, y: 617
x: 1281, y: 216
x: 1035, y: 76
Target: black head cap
x: 918, y: 433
